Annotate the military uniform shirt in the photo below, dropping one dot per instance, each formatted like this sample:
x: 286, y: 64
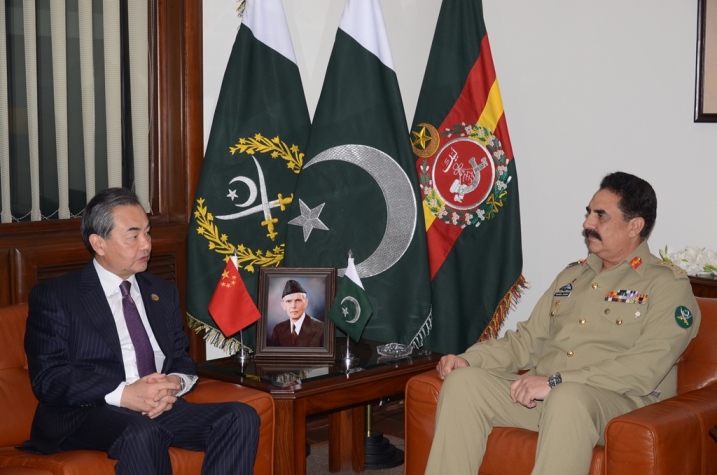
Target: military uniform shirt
x: 622, y: 329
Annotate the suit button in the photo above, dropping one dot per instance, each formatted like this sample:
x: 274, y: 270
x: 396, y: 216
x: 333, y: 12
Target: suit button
x: 594, y: 285
x: 570, y: 353
x: 619, y: 321
x: 582, y: 321
x: 552, y: 314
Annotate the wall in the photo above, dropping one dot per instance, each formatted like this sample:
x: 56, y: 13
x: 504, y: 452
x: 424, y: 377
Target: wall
x: 588, y: 88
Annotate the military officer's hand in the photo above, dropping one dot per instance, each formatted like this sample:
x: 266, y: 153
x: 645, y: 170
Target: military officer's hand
x: 448, y: 363
x: 529, y: 389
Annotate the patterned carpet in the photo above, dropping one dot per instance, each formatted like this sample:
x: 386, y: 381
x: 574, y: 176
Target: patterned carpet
x: 318, y: 461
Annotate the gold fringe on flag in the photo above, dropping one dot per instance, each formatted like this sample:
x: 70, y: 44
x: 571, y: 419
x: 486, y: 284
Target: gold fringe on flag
x: 508, y: 302
x: 215, y: 337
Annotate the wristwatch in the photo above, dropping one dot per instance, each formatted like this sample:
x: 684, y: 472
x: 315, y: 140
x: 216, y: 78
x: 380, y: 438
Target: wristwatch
x: 554, y: 380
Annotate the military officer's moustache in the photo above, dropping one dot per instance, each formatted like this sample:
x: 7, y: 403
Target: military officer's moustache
x: 590, y: 233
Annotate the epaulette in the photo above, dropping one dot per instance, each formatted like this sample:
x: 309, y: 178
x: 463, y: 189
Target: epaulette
x: 678, y: 271
x: 579, y: 261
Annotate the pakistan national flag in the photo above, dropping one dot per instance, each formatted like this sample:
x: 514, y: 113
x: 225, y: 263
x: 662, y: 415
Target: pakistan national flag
x: 358, y: 189
x: 351, y: 309
x: 253, y: 157
x: 469, y: 183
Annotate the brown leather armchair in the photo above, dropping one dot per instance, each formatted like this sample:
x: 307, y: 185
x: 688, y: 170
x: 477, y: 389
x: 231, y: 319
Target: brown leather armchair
x: 669, y: 437
x: 18, y: 407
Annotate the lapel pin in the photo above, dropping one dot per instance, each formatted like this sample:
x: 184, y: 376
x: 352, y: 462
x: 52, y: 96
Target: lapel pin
x: 155, y: 297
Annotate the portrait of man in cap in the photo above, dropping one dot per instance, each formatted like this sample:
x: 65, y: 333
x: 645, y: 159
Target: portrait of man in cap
x: 300, y: 329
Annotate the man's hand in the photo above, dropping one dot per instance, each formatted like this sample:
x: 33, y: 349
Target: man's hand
x: 448, y: 363
x: 529, y: 389
x: 151, y: 395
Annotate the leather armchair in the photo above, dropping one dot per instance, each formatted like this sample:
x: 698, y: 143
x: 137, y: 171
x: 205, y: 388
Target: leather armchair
x: 18, y: 403
x: 669, y: 437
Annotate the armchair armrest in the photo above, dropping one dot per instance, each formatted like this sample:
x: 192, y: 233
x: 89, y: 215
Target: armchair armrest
x: 420, y: 419
x: 671, y: 436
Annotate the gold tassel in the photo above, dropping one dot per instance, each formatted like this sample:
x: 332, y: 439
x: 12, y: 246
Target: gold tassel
x: 508, y: 302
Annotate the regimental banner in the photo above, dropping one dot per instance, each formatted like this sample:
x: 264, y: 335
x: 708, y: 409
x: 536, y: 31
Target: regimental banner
x: 358, y: 190
x: 253, y: 158
x: 468, y: 182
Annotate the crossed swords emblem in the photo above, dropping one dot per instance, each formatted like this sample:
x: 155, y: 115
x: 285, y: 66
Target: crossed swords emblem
x: 264, y: 206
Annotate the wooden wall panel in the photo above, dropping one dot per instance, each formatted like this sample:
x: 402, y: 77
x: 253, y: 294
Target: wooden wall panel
x: 5, y: 275
x: 33, y: 251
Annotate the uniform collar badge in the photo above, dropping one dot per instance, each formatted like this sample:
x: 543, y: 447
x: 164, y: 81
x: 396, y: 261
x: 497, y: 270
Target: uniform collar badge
x: 635, y: 262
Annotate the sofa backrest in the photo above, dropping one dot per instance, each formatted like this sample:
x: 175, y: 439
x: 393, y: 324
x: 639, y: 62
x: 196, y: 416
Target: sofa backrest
x: 16, y: 396
x: 697, y: 366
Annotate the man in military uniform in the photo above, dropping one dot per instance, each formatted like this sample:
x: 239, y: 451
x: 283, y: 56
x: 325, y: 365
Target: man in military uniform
x: 602, y: 341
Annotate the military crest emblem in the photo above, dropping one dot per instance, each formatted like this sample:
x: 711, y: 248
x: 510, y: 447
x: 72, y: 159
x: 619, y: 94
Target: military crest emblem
x: 464, y: 181
x: 258, y: 202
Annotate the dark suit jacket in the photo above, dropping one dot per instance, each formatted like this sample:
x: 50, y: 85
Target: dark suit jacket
x: 73, y: 348
x: 311, y: 334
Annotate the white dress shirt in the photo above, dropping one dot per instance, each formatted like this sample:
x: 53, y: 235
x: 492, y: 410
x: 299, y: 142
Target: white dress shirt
x: 110, y: 284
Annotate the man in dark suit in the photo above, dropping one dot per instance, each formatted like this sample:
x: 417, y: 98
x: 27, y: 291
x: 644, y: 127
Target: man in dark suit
x: 108, y: 358
x: 300, y: 329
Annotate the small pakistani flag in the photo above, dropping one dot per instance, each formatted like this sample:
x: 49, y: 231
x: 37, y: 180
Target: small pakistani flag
x: 351, y: 308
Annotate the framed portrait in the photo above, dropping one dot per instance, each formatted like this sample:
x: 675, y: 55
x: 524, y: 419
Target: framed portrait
x: 294, y: 304
x: 706, y: 77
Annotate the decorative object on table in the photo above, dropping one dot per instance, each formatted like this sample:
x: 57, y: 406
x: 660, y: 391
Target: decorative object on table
x: 696, y: 261
x: 351, y: 308
x: 284, y: 295
x: 232, y: 307
x: 394, y: 350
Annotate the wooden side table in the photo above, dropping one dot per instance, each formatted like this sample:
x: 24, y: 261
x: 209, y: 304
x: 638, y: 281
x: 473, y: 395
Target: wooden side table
x: 323, y: 387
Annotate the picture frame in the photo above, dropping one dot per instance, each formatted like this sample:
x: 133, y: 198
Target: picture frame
x: 706, y: 75
x: 315, y: 342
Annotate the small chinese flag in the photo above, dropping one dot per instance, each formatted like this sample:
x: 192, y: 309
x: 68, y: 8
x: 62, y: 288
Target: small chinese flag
x: 231, y: 306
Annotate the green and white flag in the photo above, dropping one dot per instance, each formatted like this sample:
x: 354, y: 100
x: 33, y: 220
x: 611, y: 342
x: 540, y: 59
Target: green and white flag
x: 469, y: 183
x: 359, y: 187
x: 351, y: 309
x: 253, y: 158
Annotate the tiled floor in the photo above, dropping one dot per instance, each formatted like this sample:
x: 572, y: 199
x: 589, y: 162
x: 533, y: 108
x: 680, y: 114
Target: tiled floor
x: 388, y: 418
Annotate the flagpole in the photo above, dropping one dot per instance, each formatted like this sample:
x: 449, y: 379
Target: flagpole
x: 243, y: 356
x: 349, y: 358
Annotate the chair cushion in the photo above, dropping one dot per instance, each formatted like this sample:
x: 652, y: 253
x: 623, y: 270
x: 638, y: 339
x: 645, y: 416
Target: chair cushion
x: 697, y: 367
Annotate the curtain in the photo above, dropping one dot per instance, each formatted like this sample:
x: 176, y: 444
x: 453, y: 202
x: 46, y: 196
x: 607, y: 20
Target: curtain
x: 70, y: 125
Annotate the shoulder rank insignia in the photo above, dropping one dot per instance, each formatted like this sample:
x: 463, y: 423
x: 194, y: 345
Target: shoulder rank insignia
x: 677, y: 270
x: 683, y: 316
x: 579, y: 261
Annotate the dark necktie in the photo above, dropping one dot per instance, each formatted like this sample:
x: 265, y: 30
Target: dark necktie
x: 140, y: 340
x: 293, y: 335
